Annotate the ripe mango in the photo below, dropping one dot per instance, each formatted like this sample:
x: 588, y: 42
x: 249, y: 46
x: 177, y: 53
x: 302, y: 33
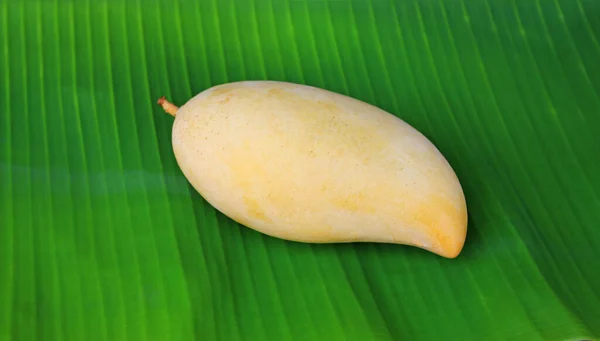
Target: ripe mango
x: 309, y: 165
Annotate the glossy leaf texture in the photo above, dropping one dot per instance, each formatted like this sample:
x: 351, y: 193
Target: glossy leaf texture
x: 102, y: 238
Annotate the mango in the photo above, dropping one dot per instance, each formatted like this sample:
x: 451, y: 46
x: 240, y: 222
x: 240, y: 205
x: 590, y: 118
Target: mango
x: 310, y: 165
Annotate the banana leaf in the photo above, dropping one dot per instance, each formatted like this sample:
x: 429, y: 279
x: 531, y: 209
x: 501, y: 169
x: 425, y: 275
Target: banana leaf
x: 103, y: 238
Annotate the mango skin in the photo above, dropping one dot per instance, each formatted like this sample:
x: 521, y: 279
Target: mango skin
x: 309, y: 165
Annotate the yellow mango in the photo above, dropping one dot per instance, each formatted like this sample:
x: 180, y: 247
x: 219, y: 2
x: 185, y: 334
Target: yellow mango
x: 305, y: 164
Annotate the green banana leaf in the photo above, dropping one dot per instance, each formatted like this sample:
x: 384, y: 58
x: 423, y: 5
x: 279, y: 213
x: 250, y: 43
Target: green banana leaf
x: 103, y: 238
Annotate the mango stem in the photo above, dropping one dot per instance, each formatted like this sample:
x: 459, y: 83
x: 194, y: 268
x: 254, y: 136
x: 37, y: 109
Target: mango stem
x: 169, y: 107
